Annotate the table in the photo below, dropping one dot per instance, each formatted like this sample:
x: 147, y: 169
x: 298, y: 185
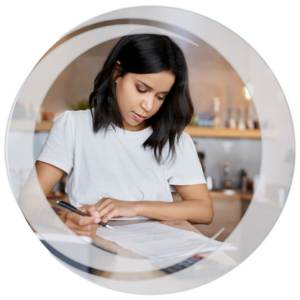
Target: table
x: 120, y: 251
x: 116, y: 249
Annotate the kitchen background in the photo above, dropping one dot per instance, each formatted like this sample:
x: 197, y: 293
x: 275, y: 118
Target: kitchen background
x: 225, y: 128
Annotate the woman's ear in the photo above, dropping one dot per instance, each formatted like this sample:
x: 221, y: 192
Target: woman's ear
x: 117, y: 71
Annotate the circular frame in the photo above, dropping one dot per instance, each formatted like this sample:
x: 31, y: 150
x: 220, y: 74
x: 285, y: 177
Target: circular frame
x: 278, y: 146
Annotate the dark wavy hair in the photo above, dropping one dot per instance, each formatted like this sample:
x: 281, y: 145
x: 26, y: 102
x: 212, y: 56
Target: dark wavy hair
x: 144, y: 54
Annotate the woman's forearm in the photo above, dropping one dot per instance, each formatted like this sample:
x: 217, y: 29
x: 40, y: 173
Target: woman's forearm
x: 194, y: 211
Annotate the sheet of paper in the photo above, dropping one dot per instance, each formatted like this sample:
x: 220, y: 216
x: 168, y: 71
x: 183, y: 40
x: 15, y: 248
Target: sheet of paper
x: 156, y: 240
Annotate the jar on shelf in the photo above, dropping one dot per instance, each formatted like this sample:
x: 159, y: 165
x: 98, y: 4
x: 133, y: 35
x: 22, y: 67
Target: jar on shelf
x: 48, y: 116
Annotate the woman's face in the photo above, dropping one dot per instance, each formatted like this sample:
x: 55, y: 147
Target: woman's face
x: 141, y: 95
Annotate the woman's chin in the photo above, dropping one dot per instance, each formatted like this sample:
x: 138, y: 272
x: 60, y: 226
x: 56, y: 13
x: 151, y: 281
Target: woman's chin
x: 139, y: 125
x: 133, y: 123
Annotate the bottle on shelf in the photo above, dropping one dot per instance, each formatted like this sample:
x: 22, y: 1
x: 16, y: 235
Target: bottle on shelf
x: 226, y: 170
x: 216, y: 114
x: 244, y: 177
x: 250, y: 123
x: 232, y: 118
x: 256, y: 124
x: 241, y: 120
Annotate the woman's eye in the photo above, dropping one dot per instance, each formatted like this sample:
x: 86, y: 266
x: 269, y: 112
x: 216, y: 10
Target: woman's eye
x: 143, y: 91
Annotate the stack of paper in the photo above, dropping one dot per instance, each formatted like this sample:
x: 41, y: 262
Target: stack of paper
x: 155, y: 240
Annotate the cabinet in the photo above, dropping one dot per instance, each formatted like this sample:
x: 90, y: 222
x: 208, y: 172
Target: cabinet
x: 228, y: 211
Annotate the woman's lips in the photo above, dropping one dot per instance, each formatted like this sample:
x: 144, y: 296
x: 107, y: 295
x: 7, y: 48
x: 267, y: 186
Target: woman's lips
x: 138, y: 117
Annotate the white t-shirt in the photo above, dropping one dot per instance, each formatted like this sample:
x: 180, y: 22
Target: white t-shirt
x: 115, y: 164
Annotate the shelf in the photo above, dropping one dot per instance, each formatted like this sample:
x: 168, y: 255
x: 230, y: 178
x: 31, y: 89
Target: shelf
x: 191, y: 130
x: 195, y: 131
x: 43, y: 126
x: 219, y: 195
x: 29, y: 125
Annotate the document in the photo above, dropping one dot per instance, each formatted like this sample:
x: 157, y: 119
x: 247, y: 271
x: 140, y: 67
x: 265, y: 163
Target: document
x: 155, y: 240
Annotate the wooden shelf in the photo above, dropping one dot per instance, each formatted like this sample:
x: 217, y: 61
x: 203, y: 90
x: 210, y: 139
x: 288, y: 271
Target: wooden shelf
x: 191, y: 130
x: 29, y: 125
x: 43, y: 126
x: 195, y: 131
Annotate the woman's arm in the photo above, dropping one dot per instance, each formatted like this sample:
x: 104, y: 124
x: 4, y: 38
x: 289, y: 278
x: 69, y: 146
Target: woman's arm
x: 49, y: 176
x: 196, y: 207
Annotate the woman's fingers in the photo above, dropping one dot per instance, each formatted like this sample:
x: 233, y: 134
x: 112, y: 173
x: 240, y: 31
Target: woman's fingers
x: 82, y: 225
x: 86, y: 233
x: 94, y: 212
x: 106, y: 210
x: 81, y: 220
x: 88, y: 225
x: 91, y: 210
x: 87, y: 209
x: 88, y: 228
x: 109, y: 215
x: 103, y: 203
x: 102, y: 200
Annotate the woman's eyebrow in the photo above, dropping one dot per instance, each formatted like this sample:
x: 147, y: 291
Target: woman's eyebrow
x: 149, y: 87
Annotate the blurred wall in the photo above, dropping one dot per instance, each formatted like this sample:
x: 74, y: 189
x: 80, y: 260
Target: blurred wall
x: 210, y: 75
x: 241, y: 153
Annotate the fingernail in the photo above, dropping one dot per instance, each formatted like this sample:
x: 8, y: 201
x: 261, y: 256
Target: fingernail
x: 97, y: 221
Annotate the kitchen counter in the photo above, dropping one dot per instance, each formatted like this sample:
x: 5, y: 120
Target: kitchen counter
x: 228, y: 211
x: 220, y: 195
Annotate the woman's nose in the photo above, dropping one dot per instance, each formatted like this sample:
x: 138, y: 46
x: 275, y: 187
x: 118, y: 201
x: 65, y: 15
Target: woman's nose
x: 148, y: 102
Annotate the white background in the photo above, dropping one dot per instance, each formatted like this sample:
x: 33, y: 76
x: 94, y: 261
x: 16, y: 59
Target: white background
x: 29, y: 29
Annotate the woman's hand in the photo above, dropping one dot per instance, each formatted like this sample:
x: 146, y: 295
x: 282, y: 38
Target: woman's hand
x: 82, y: 225
x: 112, y: 208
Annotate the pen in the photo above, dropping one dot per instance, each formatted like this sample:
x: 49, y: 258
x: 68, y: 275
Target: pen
x: 75, y: 210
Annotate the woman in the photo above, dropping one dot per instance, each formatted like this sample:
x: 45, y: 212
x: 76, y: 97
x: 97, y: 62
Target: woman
x: 125, y: 155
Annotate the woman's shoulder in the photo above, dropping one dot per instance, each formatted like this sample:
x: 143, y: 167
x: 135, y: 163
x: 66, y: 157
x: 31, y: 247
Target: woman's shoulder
x: 180, y: 146
x: 184, y: 138
x: 75, y: 116
x: 74, y: 122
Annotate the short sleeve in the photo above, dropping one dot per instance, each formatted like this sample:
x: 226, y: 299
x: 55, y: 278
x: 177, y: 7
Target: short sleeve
x: 186, y: 169
x: 58, y: 149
